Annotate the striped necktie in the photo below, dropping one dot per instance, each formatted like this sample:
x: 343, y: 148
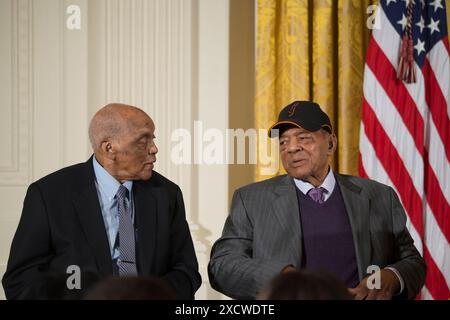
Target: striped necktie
x: 127, y: 258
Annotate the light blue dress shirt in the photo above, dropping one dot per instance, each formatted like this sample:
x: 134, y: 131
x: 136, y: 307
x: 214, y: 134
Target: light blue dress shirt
x: 107, y: 187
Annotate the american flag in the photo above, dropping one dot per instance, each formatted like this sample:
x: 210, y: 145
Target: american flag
x: 405, y: 127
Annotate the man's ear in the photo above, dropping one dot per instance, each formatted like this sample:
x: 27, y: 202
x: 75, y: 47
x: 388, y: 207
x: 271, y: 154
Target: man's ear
x: 107, y: 150
x: 332, y: 144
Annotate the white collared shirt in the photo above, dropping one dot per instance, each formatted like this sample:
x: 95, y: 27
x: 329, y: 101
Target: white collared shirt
x: 328, y: 184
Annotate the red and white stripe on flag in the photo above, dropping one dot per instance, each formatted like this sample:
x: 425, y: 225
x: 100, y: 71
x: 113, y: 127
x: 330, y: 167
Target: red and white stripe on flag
x: 405, y: 127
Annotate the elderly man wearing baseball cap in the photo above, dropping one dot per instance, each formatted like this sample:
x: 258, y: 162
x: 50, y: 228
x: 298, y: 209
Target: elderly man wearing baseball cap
x: 314, y: 218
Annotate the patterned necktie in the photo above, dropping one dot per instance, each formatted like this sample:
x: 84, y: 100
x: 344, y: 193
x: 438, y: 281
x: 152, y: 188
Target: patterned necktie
x: 127, y: 258
x: 317, y: 194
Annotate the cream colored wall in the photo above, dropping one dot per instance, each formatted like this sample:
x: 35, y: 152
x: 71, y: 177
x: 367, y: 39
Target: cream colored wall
x: 170, y: 57
x: 43, y: 102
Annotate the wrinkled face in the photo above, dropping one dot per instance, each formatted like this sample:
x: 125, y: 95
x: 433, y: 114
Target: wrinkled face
x: 304, y: 154
x: 136, y: 150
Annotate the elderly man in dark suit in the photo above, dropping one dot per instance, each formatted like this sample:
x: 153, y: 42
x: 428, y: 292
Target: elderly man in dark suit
x: 112, y: 215
x: 316, y: 219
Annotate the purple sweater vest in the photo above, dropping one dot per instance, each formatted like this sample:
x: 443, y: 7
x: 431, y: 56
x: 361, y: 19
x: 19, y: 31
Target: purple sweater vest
x: 327, y: 237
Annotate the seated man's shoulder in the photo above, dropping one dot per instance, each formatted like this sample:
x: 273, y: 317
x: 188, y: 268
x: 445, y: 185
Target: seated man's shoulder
x: 160, y: 181
x: 63, y: 177
x: 263, y: 186
x: 367, y: 185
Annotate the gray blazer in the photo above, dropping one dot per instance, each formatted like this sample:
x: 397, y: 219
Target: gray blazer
x: 262, y: 235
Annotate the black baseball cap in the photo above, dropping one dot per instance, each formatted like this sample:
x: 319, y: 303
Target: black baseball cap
x: 305, y: 114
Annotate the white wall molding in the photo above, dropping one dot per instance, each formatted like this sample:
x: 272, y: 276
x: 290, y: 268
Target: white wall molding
x: 17, y: 110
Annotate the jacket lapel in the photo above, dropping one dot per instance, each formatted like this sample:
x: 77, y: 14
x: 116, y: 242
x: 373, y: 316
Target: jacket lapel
x: 357, y: 207
x: 145, y: 203
x: 89, y: 213
x: 286, y: 210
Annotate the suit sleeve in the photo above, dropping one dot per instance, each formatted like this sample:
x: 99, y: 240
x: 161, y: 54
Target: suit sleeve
x: 183, y: 275
x: 232, y: 268
x: 409, y: 263
x: 30, y: 251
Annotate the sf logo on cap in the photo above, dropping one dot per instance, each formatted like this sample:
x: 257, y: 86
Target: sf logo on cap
x: 292, y: 110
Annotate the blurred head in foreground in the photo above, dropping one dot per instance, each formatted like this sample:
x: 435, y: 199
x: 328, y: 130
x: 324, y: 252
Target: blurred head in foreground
x: 131, y: 288
x: 305, y: 285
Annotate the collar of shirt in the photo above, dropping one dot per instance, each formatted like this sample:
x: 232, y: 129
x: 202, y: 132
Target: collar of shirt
x: 107, y: 182
x: 328, y: 184
x: 107, y: 187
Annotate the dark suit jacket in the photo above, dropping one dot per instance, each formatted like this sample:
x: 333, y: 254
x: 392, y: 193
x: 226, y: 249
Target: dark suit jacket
x: 263, y: 234
x: 62, y: 225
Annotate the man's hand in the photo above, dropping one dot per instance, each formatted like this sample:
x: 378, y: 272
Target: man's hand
x: 389, y: 285
x: 289, y: 268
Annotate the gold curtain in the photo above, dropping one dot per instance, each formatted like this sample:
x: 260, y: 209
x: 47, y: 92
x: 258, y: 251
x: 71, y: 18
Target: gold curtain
x: 313, y: 50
